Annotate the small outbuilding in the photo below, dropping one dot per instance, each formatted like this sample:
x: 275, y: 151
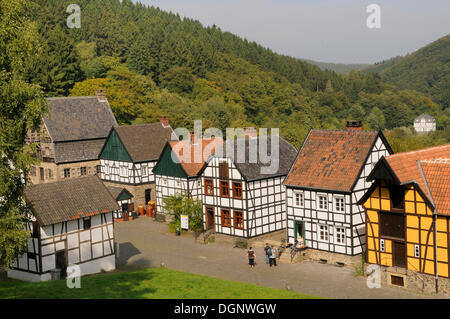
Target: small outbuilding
x: 424, y: 123
x: 72, y: 224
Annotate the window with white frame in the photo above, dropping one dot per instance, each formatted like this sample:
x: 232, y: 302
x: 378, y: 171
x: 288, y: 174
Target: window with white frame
x: 382, y: 246
x: 340, y: 235
x: 339, y: 204
x: 123, y: 171
x: 322, y: 202
x: 417, y: 251
x: 178, y: 184
x: 144, y: 171
x: 323, y: 233
x: 299, y: 199
x: 199, y: 183
x: 164, y: 181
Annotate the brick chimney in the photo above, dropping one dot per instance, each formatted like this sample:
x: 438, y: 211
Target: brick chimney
x: 354, y: 125
x: 250, y: 132
x: 164, y: 121
x: 101, y: 95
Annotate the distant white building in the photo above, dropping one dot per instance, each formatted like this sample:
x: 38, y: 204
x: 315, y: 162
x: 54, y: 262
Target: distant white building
x: 425, y: 123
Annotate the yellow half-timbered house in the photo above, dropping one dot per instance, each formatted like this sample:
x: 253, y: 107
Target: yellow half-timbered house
x: 408, y: 219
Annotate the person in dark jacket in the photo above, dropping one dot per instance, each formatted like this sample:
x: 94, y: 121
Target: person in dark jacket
x: 251, y: 257
x: 266, y: 252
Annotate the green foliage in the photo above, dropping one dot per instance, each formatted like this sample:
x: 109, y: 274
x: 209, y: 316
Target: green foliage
x: 426, y: 70
x: 21, y: 106
x: 241, y: 243
x: 158, y: 63
x: 180, y: 204
x: 404, y: 139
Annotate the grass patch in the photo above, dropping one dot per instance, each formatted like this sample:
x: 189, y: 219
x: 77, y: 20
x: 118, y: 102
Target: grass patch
x: 153, y: 283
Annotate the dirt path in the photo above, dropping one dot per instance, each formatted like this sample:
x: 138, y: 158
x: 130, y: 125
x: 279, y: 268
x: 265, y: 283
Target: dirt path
x: 144, y: 243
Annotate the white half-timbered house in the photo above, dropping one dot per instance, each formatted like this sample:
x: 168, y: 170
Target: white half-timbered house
x: 182, y: 175
x: 129, y: 156
x: 239, y: 199
x: 125, y: 201
x: 72, y: 224
x: 324, y: 185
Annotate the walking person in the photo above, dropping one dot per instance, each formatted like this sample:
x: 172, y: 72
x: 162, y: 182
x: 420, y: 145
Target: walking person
x: 266, y: 249
x: 251, y: 257
x: 272, y: 257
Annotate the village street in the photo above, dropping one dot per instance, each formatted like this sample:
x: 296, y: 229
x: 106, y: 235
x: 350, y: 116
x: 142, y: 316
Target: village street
x: 145, y: 243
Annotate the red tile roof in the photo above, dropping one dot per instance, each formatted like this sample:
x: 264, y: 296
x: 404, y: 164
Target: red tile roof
x: 436, y: 168
x: 331, y: 159
x: 437, y: 175
x: 200, y: 151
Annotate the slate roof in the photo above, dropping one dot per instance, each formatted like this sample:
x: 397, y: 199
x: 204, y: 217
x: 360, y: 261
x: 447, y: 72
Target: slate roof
x: 200, y: 152
x: 252, y: 171
x: 332, y: 160
x: 425, y: 116
x: 78, y: 151
x: 78, y: 118
x: 116, y: 191
x: 70, y: 199
x: 144, y: 142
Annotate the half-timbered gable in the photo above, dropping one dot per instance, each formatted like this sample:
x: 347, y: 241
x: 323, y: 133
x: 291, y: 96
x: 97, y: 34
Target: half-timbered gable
x: 238, y: 198
x: 129, y: 156
x: 323, y: 187
x: 72, y: 224
x: 182, y: 175
x: 71, y: 137
x: 408, y: 216
x: 125, y: 201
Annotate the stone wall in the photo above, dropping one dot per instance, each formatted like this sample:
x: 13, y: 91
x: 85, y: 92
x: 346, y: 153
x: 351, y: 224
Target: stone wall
x: 138, y: 191
x: 413, y: 280
x: 328, y: 257
x: 57, y: 171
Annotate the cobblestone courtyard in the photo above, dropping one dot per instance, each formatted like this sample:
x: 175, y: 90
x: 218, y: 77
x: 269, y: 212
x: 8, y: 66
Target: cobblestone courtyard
x: 145, y: 243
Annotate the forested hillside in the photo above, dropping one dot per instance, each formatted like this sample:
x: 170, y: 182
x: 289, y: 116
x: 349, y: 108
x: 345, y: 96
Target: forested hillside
x: 151, y: 62
x: 426, y: 70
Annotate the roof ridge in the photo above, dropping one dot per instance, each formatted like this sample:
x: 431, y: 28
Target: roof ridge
x: 347, y: 131
x: 443, y: 160
x: 71, y: 97
x: 419, y: 150
x: 144, y: 124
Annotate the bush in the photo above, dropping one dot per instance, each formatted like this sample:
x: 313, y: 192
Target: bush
x: 181, y: 204
x: 241, y: 243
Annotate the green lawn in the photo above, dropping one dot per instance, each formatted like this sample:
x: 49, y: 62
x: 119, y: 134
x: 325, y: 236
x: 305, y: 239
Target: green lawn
x: 157, y: 283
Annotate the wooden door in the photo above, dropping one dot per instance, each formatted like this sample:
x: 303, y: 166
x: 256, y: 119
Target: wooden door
x: 210, y: 224
x: 148, y: 196
x: 399, y: 254
x: 61, y: 262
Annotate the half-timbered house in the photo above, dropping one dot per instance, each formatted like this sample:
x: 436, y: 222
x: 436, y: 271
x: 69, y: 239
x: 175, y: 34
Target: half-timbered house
x: 408, y: 219
x: 323, y: 187
x: 129, y: 156
x: 125, y: 201
x: 71, y: 137
x: 182, y: 174
x: 239, y: 198
x: 72, y: 224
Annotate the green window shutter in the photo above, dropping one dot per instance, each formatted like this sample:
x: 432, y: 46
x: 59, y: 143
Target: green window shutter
x: 167, y: 167
x: 124, y: 195
x: 114, y: 149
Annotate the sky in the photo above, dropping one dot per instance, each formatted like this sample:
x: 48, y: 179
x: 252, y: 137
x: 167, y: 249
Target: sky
x: 323, y: 30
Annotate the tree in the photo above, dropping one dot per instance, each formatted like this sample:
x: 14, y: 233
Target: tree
x: 178, y: 79
x: 21, y: 106
x: 180, y: 204
x: 376, y: 119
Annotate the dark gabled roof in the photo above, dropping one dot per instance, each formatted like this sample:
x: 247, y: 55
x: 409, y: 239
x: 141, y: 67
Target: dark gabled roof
x: 68, y: 200
x: 78, y: 151
x: 78, y: 118
x: 252, y: 171
x: 425, y: 116
x: 116, y: 192
x: 144, y: 142
x: 332, y: 160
